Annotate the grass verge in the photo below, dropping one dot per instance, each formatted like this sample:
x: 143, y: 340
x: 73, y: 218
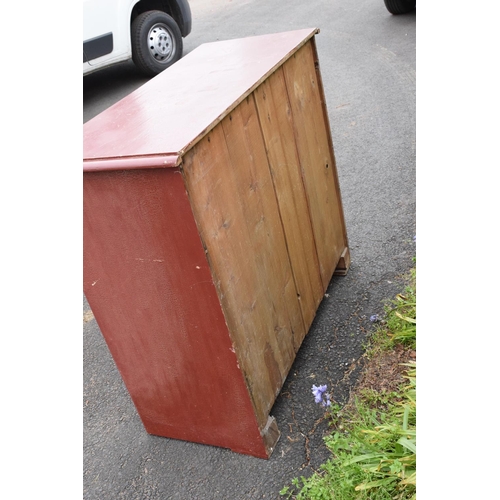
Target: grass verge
x: 373, y: 437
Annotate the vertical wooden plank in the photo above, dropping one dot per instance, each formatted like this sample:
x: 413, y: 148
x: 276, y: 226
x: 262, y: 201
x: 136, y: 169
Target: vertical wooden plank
x: 345, y: 257
x: 316, y: 159
x: 232, y: 196
x: 277, y: 128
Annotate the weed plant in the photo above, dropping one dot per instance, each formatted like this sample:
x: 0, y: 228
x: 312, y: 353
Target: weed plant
x: 373, y: 442
x: 400, y: 324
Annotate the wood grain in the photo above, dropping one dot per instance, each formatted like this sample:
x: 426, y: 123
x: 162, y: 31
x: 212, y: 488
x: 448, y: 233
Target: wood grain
x: 277, y: 128
x: 232, y: 194
x: 316, y: 159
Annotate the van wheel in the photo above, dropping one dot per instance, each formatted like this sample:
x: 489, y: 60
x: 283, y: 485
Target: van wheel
x: 156, y: 42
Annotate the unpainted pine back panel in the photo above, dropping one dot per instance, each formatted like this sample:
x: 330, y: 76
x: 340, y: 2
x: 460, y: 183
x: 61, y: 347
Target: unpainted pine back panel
x: 232, y: 197
x: 316, y: 159
x: 277, y: 127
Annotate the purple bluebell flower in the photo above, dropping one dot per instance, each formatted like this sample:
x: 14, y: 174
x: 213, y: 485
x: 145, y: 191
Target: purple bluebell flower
x: 319, y: 392
x: 374, y: 318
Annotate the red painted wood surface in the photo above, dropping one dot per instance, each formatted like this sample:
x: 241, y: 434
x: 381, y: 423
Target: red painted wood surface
x: 175, y: 109
x: 148, y: 283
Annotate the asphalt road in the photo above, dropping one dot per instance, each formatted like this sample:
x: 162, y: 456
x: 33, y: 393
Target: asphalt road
x: 367, y: 62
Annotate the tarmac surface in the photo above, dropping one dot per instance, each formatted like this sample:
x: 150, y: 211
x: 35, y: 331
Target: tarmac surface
x: 367, y: 62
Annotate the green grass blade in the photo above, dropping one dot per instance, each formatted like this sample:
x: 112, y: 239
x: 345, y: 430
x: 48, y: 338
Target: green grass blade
x: 375, y: 484
x: 405, y: 318
x: 361, y: 458
x: 405, y: 418
x: 409, y: 445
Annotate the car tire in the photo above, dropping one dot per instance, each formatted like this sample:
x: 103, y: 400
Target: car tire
x: 156, y: 42
x: 399, y: 6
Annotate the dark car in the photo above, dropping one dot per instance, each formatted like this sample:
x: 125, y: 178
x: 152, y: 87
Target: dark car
x: 400, y: 6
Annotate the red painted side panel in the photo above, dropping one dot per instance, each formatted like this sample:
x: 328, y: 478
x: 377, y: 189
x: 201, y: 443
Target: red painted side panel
x: 148, y: 283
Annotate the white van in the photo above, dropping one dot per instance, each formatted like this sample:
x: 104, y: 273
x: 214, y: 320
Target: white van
x: 148, y: 31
